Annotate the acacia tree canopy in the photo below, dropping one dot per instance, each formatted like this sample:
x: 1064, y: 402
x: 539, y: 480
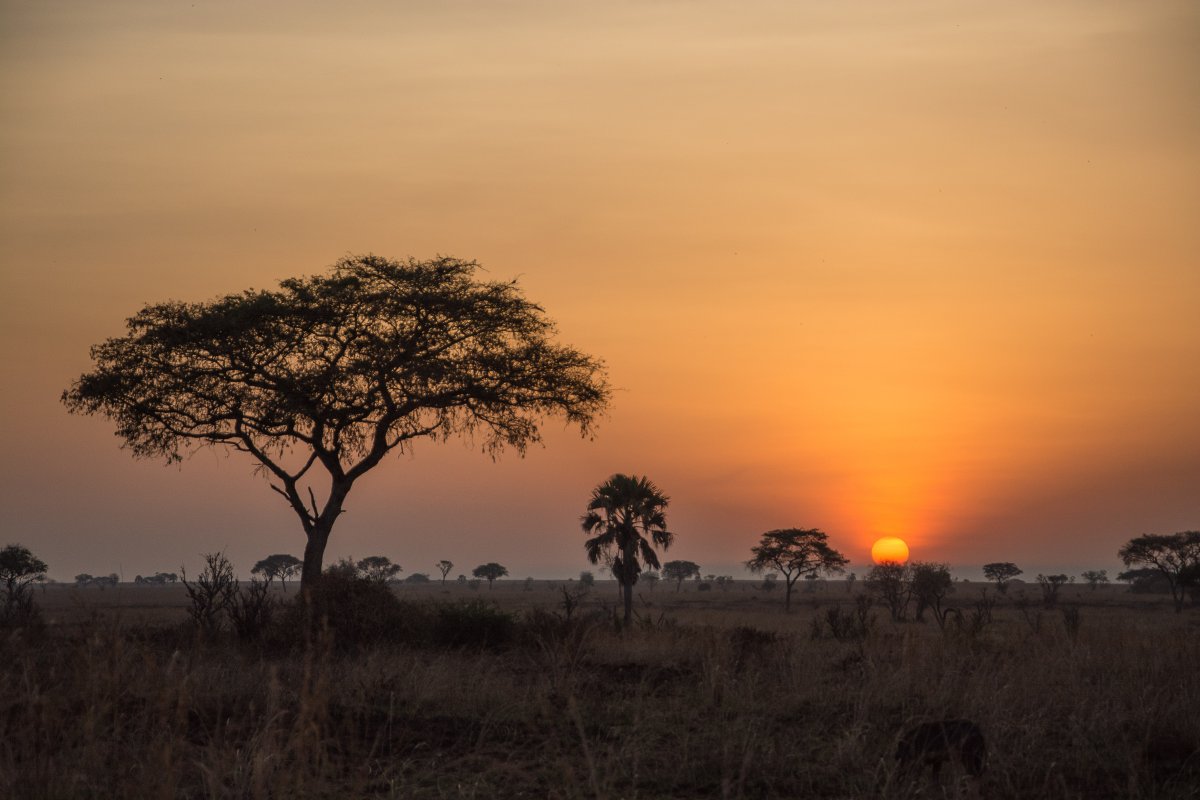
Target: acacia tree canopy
x: 795, y: 552
x: 1176, y: 557
x: 330, y: 373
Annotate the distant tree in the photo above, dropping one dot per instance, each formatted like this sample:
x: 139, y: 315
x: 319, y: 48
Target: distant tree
x: 490, y: 572
x: 83, y: 579
x: 281, y: 566
x: 850, y: 579
x: 651, y: 577
x: 417, y: 577
x: 587, y: 579
x: 462, y: 579
x: 794, y: 553
x: 1176, y: 556
x: 1001, y: 572
x: 378, y: 568
x: 680, y: 571
x: 891, y: 582
x: 930, y: 584
x: 444, y: 567
x: 770, y: 582
x: 19, y: 570
x: 333, y: 372
x: 1095, y: 577
x: 1132, y: 575
x: 627, y: 519
x: 1050, y: 585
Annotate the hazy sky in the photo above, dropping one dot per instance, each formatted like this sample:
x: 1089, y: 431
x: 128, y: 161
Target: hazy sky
x: 927, y: 269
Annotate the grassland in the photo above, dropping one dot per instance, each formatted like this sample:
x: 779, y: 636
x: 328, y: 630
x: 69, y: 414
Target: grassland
x: 711, y: 694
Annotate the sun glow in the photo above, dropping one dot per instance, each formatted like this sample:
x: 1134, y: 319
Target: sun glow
x: 889, y: 548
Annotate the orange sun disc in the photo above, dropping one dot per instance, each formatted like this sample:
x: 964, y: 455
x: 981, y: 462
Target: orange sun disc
x: 889, y: 548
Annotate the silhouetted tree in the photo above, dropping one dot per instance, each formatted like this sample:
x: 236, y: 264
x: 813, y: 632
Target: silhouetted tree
x: 281, y: 566
x: 490, y: 572
x: 680, y: 571
x: 930, y: 585
x: 1001, y: 572
x: 212, y: 593
x: 19, y: 569
x: 1095, y: 577
x: 891, y: 582
x: 331, y: 373
x: 587, y: 579
x: 378, y: 568
x: 795, y: 553
x: 444, y: 567
x: 417, y: 577
x: 1050, y: 585
x: 1176, y: 556
x: 627, y: 516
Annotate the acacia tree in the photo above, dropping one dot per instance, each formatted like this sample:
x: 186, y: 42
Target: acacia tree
x: 931, y: 583
x: 330, y: 373
x: 891, y: 581
x: 378, y: 568
x: 680, y: 571
x: 794, y: 553
x: 19, y: 568
x: 1095, y: 577
x: 627, y: 516
x: 281, y: 566
x: 444, y: 567
x: 490, y: 572
x: 1175, y: 556
x: 1001, y: 572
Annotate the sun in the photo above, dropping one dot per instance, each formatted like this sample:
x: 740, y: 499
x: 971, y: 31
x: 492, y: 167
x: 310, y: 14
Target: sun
x: 889, y: 548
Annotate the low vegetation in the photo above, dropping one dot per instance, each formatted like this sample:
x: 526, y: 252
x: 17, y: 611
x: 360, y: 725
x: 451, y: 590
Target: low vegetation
x: 427, y: 691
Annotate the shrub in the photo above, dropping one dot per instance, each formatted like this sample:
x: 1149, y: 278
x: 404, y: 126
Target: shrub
x: 472, y: 624
x: 358, y: 611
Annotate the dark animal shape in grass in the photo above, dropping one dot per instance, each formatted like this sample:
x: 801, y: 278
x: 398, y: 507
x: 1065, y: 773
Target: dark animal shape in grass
x: 932, y: 744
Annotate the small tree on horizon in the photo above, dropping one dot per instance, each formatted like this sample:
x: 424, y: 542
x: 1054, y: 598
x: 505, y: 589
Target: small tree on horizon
x: 444, y: 567
x: 280, y: 565
x: 795, y: 553
x: 1001, y: 572
x: 680, y: 571
x: 1095, y: 577
x: 490, y: 572
x: 322, y: 378
x: 378, y: 568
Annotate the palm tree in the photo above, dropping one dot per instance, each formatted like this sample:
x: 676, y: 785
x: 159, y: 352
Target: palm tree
x: 627, y: 516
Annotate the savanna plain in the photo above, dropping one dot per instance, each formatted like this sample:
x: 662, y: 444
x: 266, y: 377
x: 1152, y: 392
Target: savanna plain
x: 533, y: 689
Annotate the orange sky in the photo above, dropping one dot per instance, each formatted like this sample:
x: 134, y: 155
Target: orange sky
x: 925, y: 269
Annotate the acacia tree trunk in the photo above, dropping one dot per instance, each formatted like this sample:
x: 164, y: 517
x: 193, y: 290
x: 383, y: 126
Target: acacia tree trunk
x: 318, y: 535
x: 314, y: 552
x: 787, y: 598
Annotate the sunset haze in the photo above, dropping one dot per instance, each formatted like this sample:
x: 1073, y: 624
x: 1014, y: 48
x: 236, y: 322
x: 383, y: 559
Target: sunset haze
x: 927, y: 270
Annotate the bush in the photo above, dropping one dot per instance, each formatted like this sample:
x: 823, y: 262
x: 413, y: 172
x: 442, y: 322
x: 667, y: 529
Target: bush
x: 358, y: 611
x: 472, y: 624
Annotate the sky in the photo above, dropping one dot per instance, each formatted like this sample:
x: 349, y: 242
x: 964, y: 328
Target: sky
x: 925, y: 269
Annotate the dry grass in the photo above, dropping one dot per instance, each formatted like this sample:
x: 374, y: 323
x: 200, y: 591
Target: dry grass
x: 713, y: 694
